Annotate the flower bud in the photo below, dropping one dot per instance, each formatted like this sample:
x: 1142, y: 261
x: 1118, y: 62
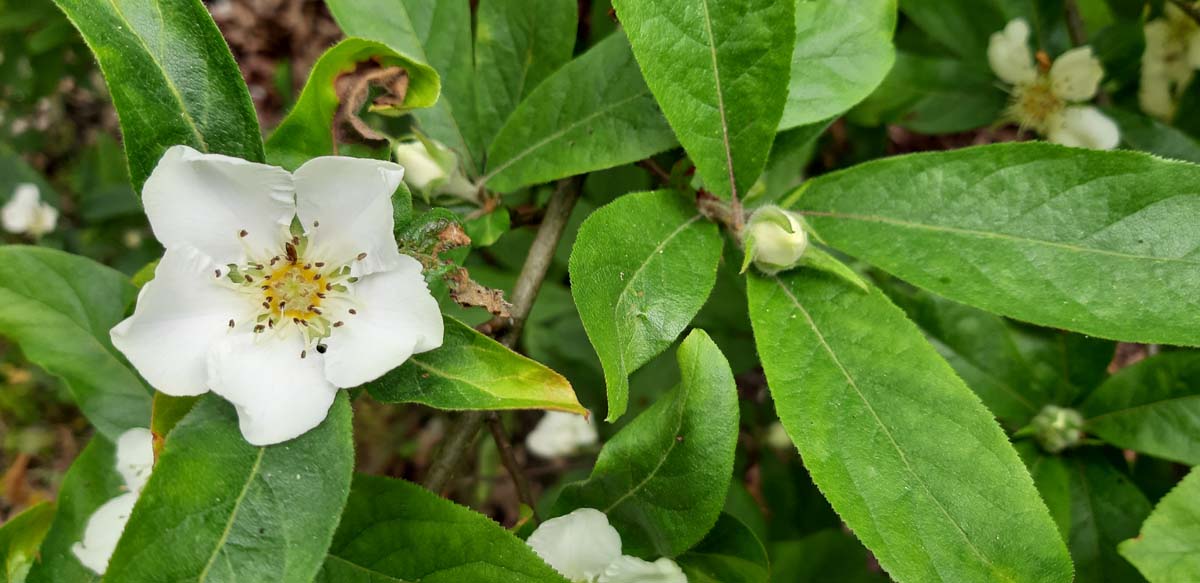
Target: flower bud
x: 1058, y: 428
x: 432, y: 169
x: 775, y: 239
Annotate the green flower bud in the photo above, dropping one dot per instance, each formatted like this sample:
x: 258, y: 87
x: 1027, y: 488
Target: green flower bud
x: 775, y: 239
x: 1058, y: 428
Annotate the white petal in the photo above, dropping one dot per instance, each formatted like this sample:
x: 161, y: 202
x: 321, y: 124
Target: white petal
x: 44, y: 221
x: 135, y: 457
x: 1009, y: 54
x: 560, y: 434
x: 420, y: 169
x: 1076, y: 74
x: 102, y: 532
x: 629, y: 569
x: 1084, y: 127
x: 345, y: 204
x: 278, y: 394
x: 397, y: 317
x: 580, y: 545
x: 206, y: 200
x: 179, y: 315
x: 20, y: 212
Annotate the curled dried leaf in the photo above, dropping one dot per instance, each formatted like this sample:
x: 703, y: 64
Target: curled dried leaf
x: 354, y: 88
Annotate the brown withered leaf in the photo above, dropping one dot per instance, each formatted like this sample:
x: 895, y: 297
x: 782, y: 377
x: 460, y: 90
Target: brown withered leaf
x: 468, y: 293
x: 354, y: 88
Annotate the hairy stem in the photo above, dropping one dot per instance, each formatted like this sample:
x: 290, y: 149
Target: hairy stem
x: 461, y: 435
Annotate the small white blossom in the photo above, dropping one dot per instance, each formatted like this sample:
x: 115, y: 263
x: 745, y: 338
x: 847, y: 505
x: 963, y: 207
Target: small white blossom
x: 634, y: 570
x: 434, y: 172
x: 25, y: 213
x: 585, y: 548
x: 560, y: 434
x: 775, y: 238
x: 1169, y: 62
x: 272, y: 321
x: 1043, y: 98
x: 135, y: 458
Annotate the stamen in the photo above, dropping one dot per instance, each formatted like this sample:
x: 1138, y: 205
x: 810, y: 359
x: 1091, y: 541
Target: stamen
x: 259, y: 328
x: 362, y: 255
x: 243, y: 233
x: 316, y: 224
x: 231, y: 323
x: 248, y: 278
x: 339, y: 324
x: 322, y: 348
x: 218, y: 272
x: 320, y: 264
x: 353, y: 311
x: 314, y: 310
x: 303, y: 353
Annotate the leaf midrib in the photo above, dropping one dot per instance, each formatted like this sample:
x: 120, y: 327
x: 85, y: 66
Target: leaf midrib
x: 879, y: 422
x: 712, y: 45
x: 216, y: 552
x: 993, y: 235
x: 679, y: 413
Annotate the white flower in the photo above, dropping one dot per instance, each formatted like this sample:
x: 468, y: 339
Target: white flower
x: 434, y: 172
x: 585, y: 548
x: 778, y: 438
x: 272, y: 321
x: 775, y: 238
x: 135, y: 458
x: 1169, y: 62
x: 560, y: 434
x: 1042, y: 98
x: 634, y: 570
x: 25, y: 213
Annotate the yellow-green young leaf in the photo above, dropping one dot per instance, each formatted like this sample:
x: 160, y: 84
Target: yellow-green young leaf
x: 885, y: 427
x: 1152, y: 407
x: 91, y: 481
x: 1168, y: 548
x: 219, y: 509
x: 472, y: 371
x: 437, y: 33
x: 307, y: 131
x: 729, y: 553
x: 1097, y: 506
x: 171, y: 78
x: 59, y: 308
x: 594, y: 113
x: 719, y: 69
x: 843, y: 51
x: 395, y: 531
x: 1102, y: 243
x: 662, y: 479
x: 20, y: 538
x: 518, y: 43
x: 641, y: 268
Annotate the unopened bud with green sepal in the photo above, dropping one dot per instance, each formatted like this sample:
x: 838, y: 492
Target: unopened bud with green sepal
x: 777, y: 240
x: 1057, y: 428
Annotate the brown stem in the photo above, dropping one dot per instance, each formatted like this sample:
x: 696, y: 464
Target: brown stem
x: 1188, y: 8
x: 461, y: 435
x: 1075, y: 27
x: 652, y: 167
x: 510, y: 463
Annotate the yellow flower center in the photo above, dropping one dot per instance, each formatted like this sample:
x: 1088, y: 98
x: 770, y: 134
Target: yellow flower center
x: 294, y: 292
x: 1035, y: 104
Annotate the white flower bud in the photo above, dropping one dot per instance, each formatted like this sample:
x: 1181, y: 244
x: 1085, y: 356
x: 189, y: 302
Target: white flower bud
x: 1058, y: 428
x: 560, y: 434
x: 775, y: 238
x: 25, y: 213
x: 433, y: 172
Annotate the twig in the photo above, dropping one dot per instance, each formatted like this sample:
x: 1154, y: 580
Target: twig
x: 1075, y: 27
x: 510, y: 463
x: 1188, y: 8
x: 461, y: 435
x: 652, y: 167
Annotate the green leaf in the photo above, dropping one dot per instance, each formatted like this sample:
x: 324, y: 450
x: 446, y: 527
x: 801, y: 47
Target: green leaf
x: 885, y: 427
x: 1023, y: 230
x: 166, y: 412
x: 962, y: 26
x: 1099, y: 507
x: 487, y: 229
x: 729, y: 553
x: 843, y: 51
x: 20, y: 538
x: 91, y: 481
x: 437, y: 33
x: 1152, y: 407
x: 171, y: 78
x: 1141, y: 132
x: 1168, y: 548
x: 1015, y: 369
x: 826, y: 555
x: 719, y: 69
x: 641, y: 268
x: 395, y: 531
x: 472, y: 371
x: 219, y: 509
x: 662, y: 479
x: 308, y: 129
x: 518, y: 43
x: 594, y: 113
x: 933, y: 95
x: 59, y: 308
